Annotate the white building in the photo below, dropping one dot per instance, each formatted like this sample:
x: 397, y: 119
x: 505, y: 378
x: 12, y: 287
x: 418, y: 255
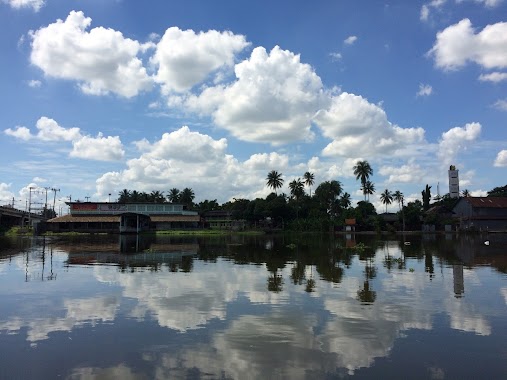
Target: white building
x: 453, y: 182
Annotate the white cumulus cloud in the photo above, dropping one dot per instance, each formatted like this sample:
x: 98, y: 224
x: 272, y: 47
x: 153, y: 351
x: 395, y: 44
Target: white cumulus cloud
x: 360, y: 128
x: 98, y: 148
x: 459, y: 44
x: 501, y: 159
x: 36, y: 5
x: 273, y: 99
x: 101, y: 60
x: 456, y: 139
x: 493, y: 77
x: 185, y: 58
x: 350, y: 40
x: 184, y: 158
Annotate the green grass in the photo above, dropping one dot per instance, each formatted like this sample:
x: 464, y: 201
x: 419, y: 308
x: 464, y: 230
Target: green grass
x: 14, y: 231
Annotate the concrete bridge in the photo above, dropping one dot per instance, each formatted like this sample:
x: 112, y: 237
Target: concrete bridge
x: 11, y: 217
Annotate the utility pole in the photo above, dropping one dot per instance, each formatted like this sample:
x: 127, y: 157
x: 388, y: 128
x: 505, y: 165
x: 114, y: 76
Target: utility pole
x: 54, y: 198
x: 30, y: 206
x: 87, y: 198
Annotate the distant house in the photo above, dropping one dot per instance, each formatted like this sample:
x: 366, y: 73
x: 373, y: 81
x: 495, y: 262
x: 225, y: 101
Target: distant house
x: 482, y: 213
x: 222, y: 220
x: 123, y: 217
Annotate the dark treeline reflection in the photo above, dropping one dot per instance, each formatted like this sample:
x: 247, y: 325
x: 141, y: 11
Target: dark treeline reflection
x: 310, y: 257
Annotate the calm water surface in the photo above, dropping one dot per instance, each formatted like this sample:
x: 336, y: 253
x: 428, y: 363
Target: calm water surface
x: 244, y: 307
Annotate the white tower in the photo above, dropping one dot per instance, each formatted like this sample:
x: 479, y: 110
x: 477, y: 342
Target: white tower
x: 453, y: 182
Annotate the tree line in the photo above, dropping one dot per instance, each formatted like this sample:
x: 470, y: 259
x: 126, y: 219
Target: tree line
x: 319, y: 209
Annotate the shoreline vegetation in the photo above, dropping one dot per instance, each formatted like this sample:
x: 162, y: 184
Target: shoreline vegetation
x: 17, y: 231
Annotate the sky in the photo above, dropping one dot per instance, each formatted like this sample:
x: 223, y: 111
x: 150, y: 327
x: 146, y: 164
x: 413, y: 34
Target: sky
x: 103, y: 95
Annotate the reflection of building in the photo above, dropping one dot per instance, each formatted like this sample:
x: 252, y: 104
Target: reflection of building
x: 458, y: 279
x: 482, y: 213
x: 124, y: 217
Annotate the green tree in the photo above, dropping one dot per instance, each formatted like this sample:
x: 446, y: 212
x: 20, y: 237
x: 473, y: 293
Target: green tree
x: 327, y: 193
x: 124, y: 196
x: 157, y: 196
x: 345, y: 201
x: 309, y: 180
x: 426, y: 197
x: 398, y: 197
x: 368, y: 189
x: 386, y: 198
x: 274, y: 180
x: 500, y: 191
x: 297, y: 189
x: 465, y: 193
x: 363, y: 171
x: 187, y: 197
x: 174, y: 195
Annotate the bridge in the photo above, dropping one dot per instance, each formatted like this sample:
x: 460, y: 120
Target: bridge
x: 11, y: 217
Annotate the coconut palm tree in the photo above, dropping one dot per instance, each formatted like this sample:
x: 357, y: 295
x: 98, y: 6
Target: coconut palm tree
x: 297, y: 189
x: 174, y: 195
x: 345, y: 200
x: 386, y: 198
x: 157, y: 196
x: 368, y: 189
x: 398, y: 197
x: 274, y: 180
x: 187, y: 197
x: 124, y: 196
x: 309, y: 180
x: 363, y: 171
x: 465, y: 193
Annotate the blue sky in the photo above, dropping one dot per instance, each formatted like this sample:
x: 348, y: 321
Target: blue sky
x: 98, y: 96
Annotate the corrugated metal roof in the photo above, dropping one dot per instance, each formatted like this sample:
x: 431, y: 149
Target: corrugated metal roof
x: 116, y: 218
x: 488, y: 202
x: 86, y: 219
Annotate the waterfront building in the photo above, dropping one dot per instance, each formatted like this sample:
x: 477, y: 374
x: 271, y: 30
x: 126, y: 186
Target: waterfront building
x: 482, y: 213
x: 124, y: 217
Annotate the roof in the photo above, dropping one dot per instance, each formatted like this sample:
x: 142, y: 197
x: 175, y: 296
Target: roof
x: 86, y: 219
x: 116, y: 218
x: 487, y: 202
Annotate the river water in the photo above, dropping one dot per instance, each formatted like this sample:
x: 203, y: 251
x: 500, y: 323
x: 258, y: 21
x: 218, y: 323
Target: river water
x: 254, y: 307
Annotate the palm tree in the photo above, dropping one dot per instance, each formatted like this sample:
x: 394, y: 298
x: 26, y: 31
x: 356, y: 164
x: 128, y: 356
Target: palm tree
x: 345, y: 200
x: 398, y: 197
x: 368, y: 189
x: 274, y: 180
x: 297, y: 189
x: 386, y: 197
x: 309, y: 180
x: 187, y: 197
x: 174, y: 195
x: 124, y: 196
x: 157, y: 196
x: 363, y: 171
x: 465, y: 193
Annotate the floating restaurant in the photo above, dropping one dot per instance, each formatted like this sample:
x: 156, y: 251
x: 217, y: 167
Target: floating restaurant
x: 124, y: 217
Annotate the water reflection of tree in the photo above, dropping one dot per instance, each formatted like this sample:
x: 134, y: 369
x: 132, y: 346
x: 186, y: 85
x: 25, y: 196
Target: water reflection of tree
x: 366, y: 295
x: 275, y: 280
